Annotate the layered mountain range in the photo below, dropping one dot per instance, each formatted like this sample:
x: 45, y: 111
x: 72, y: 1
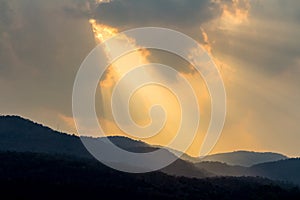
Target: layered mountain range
x: 21, y: 135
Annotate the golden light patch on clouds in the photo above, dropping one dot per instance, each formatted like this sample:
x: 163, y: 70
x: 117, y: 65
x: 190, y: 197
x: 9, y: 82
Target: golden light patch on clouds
x: 237, y: 13
x: 207, y: 43
x: 102, y: 1
x: 102, y: 32
x: 234, y: 12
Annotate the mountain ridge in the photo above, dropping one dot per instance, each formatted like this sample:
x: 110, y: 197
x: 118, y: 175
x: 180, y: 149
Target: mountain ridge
x: 143, y: 144
x: 283, y: 170
x: 244, y: 158
x: 22, y: 135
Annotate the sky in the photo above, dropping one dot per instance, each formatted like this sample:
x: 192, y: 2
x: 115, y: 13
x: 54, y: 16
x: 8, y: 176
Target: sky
x: 253, y: 42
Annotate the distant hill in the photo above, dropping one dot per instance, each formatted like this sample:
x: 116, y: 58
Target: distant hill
x: 244, y: 158
x: 283, y: 170
x: 42, y: 176
x: 222, y: 169
x: 22, y: 135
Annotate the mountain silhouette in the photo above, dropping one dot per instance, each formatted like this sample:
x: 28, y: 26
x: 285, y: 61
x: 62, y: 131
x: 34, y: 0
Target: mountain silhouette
x: 21, y: 135
x: 244, y: 158
x: 38, y: 162
x: 283, y: 170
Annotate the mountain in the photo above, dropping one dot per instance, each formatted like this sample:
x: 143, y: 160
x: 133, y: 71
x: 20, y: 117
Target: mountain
x: 283, y: 170
x: 44, y: 176
x: 22, y: 135
x: 222, y: 169
x: 244, y: 158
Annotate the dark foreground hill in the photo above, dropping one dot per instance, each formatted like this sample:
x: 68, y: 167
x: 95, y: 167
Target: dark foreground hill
x: 41, y: 176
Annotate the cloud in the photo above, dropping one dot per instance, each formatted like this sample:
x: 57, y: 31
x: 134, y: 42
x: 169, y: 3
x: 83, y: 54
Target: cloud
x: 5, y: 14
x: 188, y: 16
x: 176, y: 13
x: 265, y: 43
x: 80, y: 8
x: 41, y: 49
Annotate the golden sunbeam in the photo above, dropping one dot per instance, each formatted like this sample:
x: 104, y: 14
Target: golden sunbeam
x: 143, y: 99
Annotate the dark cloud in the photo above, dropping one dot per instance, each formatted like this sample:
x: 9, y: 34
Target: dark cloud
x: 171, y: 13
x: 80, y: 8
x: 5, y: 14
x: 276, y: 10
